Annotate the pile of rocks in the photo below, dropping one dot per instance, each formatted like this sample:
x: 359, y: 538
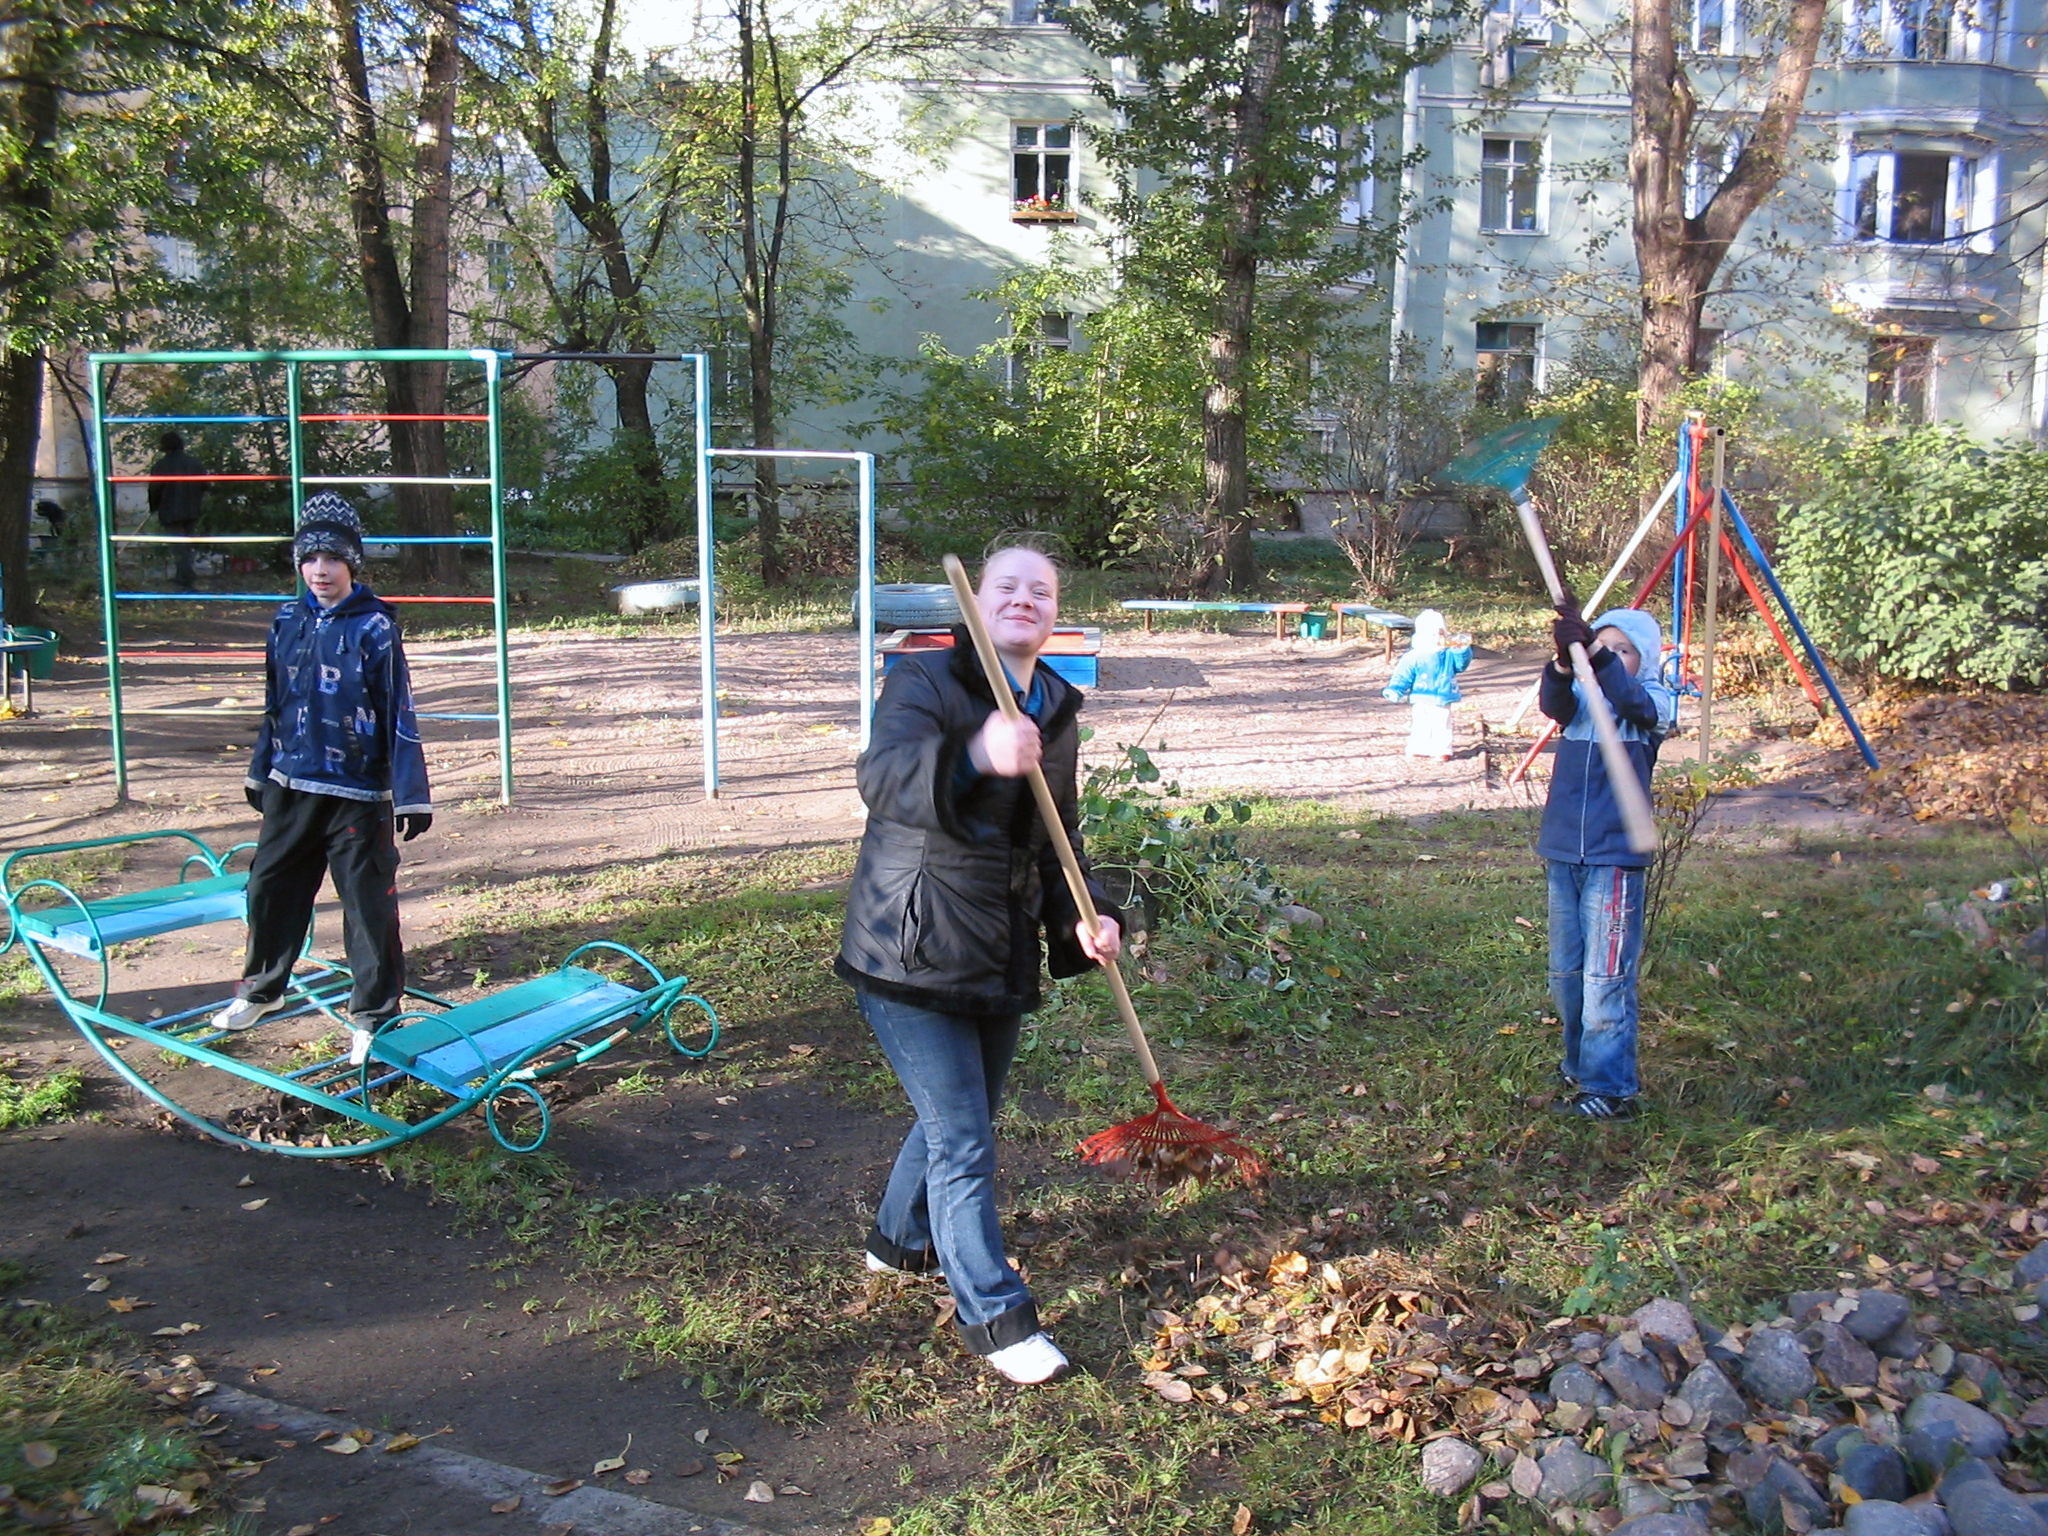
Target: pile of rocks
x: 1841, y: 1415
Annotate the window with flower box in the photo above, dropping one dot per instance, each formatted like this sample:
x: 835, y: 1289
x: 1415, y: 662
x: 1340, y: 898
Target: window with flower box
x: 1042, y: 172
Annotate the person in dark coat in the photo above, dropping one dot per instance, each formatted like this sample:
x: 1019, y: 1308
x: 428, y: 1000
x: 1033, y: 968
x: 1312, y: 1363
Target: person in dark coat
x: 957, y: 876
x: 338, y: 761
x: 176, y: 502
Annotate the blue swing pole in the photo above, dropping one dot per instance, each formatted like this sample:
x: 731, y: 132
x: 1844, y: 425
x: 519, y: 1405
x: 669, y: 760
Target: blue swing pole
x: 1770, y: 576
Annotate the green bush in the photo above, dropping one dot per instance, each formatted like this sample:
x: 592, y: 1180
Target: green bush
x: 1925, y: 557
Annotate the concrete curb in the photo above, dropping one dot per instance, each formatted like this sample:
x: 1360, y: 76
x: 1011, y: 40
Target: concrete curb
x: 589, y: 1508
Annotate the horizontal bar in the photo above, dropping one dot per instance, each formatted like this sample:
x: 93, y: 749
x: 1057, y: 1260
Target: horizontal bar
x: 198, y: 538
x: 389, y: 480
x: 600, y: 357
x: 392, y: 416
x: 206, y: 597
x: 252, y: 714
x: 426, y: 715
x: 316, y: 355
x: 783, y: 453
x: 487, y: 601
x: 255, y: 651
x: 458, y: 538
x: 183, y: 479
x: 136, y: 421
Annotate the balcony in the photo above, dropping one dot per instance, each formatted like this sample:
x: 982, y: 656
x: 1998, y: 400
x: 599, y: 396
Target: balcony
x: 1873, y: 276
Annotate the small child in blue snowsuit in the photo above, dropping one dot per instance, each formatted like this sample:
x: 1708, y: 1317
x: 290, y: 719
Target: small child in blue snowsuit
x: 1428, y: 677
x: 338, y: 760
x: 1596, y: 878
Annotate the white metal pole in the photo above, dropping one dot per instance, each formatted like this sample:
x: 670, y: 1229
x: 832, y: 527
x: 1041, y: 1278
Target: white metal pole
x: 707, y: 619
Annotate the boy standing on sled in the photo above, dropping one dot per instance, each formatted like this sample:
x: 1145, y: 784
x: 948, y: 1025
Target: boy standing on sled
x: 338, y: 759
x: 1596, y: 878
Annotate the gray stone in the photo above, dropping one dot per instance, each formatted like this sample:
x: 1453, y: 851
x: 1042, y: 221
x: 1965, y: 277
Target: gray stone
x: 1876, y: 1472
x: 1783, y: 1484
x: 1877, y: 1315
x: 1665, y: 1319
x: 1902, y: 1343
x: 1978, y: 1430
x: 1913, y: 1382
x: 2032, y: 1269
x: 1775, y: 1367
x: 1842, y: 1359
x: 1673, y: 1524
x: 1571, y: 1475
x: 1882, y: 1517
x: 1638, y: 1380
x: 1931, y: 1514
x: 1801, y: 1305
x: 1989, y: 1508
x: 1575, y: 1384
x: 1838, y: 1442
x: 1448, y: 1465
x: 1587, y: 1339
x: 1930, y: 1451
x: 1712, y: 1397
x: 1634, y: 1498
x: 2039, y: 1501
x: 1974, y: 1469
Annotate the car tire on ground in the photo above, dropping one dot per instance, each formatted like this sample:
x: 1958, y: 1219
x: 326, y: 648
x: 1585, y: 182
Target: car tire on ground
x: 913, y: 605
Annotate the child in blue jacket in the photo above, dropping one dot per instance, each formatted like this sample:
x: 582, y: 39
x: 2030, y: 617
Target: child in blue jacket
x: 338, y: 760
x: 1596, y: 878
x: 1428, y: 677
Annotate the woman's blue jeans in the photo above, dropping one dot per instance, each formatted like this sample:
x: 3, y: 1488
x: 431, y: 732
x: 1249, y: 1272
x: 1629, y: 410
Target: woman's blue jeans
x: 940, y: 1204
x: 1596, y: 942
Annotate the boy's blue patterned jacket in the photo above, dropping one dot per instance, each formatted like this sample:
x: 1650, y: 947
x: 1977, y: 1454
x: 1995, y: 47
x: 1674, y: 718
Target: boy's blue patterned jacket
x: 337, y: 706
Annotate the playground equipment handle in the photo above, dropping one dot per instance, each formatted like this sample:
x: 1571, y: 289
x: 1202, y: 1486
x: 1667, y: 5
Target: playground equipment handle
x: 1048, y: 811
x: 1636, y: 815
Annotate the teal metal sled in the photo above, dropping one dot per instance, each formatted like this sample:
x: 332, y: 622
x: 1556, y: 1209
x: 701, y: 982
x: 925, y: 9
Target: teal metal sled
x: 491, y: 1053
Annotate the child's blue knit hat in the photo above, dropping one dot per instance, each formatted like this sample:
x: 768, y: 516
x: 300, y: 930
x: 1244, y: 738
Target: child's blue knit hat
x: 328, y: 525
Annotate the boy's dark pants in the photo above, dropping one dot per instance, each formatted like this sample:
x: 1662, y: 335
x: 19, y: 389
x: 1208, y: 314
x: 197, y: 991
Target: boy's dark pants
x: 304, y: 837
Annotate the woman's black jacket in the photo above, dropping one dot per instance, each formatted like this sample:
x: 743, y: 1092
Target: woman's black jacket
x: 953, y: 884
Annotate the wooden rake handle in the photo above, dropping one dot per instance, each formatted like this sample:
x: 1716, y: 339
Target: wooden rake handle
x: 1636, y: 815
x: 1048, y: 810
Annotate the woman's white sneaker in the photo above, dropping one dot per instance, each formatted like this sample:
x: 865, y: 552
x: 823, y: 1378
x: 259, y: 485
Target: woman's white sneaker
x: 1031, y: 1362
x: 244, y: 1013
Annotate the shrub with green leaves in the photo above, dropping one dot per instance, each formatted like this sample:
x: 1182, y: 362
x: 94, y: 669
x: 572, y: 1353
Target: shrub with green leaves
x: 1925, y: 557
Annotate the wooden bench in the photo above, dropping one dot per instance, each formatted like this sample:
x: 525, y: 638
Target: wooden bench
x: 1281, y: 612
x: 1387, y: 620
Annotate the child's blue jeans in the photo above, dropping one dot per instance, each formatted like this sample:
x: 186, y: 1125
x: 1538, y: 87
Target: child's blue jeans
x: 941, y: 1200
x: 1596, y: 943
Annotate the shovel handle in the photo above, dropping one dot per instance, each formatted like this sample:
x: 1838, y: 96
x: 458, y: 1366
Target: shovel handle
x: 1048, y: 809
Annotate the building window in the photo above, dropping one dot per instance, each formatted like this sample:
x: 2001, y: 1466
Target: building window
x: 499, y: 272
x: 1510, y: 179
x: 1922, y: 198
x: 1054, y: 333
x: 1705, y: 169
x: 1507, y: 362
x: 1355, y: 149
x: 1032, y: 13
x: 1710, y: 26
x: 1960, y: 31
x: 1042, y: 169
x: 1900, y: 380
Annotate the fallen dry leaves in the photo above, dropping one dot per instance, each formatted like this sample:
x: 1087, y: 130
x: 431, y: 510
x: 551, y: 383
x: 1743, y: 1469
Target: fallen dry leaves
x: 1953, y: 757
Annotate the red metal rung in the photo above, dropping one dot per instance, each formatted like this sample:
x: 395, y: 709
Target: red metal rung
x: 393, y: 416
x: 168, y: 479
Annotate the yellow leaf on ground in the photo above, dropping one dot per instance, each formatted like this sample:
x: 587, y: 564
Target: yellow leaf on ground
x: 255, y: 1205
x: 505, y: 1506
x: 39, y: 1454
x: 400, y: 1443
x: 111, y: 1258
x: 347, y: 1445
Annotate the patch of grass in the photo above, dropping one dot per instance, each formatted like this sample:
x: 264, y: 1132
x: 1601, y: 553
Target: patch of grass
x: 1396, y: 1060
x: 40, y: 1099
x: 77, y: 1434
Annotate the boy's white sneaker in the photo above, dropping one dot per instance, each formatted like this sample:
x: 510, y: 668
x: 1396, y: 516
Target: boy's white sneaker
x: 244, y: 1013
x: 881, y: 1266
x: 359, y: 1046
x: 1031, y: 1362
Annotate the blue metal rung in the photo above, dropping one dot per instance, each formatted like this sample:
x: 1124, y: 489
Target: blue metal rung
x: 136, y: 421
x: 206, y: 597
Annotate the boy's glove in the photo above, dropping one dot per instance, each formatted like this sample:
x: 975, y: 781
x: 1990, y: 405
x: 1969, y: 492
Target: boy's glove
x: 1570, y: 628
x: 254, y: 796
x: 412, y: 825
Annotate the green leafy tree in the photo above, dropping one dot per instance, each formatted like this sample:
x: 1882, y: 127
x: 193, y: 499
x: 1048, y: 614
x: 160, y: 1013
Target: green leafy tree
x: 1241, y: 127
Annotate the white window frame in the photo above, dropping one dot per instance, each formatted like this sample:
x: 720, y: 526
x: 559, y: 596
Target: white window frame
x: 1031, y: 13
x: 1534, y: 354
x: 1529, y: 21
x: 501, y: 266
x: 1361, y: 196
x: 1072, y: 154
x: 1731, y: 38
x: 1971, y: 201
x: 1541, y: 209
x: 1969, y: 31
x: 1699, y: 166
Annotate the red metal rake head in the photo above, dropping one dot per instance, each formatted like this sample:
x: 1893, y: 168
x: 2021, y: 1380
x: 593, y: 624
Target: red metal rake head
x: 1167, y: 1147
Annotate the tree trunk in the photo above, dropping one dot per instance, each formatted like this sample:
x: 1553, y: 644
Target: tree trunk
x: 1678, y: 256
x: 21, y: 424
x: 1226, y: 476
x: 647, y: 521
x: 428, y: 511
x: 757, y: 296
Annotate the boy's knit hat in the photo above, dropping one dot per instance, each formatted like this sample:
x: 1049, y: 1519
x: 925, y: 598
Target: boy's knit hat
x: 328, y: 525
x: 1643, y: 632
x: 1429, y: 631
